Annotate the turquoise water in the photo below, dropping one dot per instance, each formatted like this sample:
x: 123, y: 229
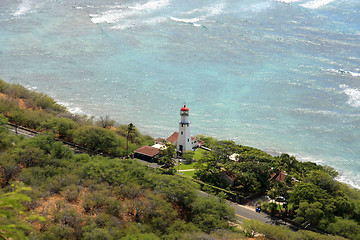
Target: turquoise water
x: 283, y: 76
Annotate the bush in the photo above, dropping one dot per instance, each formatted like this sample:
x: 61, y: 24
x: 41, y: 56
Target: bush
x: 210, y: 214
x: 71, y: 193
x: 99, y: 140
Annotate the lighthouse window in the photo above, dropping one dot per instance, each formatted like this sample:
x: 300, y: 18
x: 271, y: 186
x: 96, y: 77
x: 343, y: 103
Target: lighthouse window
x: 182, y: 132
x: 188, y: 140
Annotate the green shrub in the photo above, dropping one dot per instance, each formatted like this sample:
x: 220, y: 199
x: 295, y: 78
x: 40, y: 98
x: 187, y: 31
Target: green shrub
x: 71, y: 193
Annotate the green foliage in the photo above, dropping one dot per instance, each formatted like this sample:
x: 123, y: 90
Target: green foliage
x: 178, y: 190
x: 5, y: 140
x: 13, y: 219
x: 106, y: 122
x: 62, y: 127
x: 311, y: 213
x: 251, y: 227
x: 114, y: 171
x: 71, y: 193
x: 9, y: 168
x: 345, y: 227
x: 250, y: 173
x: 208, y: 141
x: 141, y: 236
x: 210, y: 214
x: 188, y: 156
x: 166, y: 155
x: 99, y: 140
x: 98, y: 234
x: 29, y: 156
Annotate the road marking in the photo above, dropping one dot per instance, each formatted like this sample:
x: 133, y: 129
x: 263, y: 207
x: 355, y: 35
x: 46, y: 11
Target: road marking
x: 242, y: 216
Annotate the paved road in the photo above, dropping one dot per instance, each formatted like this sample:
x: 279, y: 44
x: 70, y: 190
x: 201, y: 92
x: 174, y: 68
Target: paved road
x: 245, y: 212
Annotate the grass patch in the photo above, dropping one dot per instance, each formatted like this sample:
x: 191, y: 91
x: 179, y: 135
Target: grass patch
x: 184, y: 166
x: 198, y: 153
x: 188, y: 173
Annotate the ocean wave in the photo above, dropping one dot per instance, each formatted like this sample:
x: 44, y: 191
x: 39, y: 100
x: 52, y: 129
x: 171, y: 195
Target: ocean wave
x: 186, y: 20
x: 316, y: 4
x: 354, y: 74
x: 208, y: 11
x: 23, y: 8
x: 156, y: 20
x: 353, y: 94
x: 348, y: 179
x: 151, y: 5
x: 117, y: 13
x: 71, y: 108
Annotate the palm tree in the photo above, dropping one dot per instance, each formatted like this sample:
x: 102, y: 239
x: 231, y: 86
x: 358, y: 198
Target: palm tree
x: 130, y: 129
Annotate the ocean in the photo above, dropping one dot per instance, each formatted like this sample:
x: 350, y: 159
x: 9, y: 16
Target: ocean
x: 279, y: 75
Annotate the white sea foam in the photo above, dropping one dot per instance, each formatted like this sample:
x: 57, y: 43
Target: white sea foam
x: 316, y: 4
x: 110, y: 16
x: 156, y: 20
x: 353, y: 94
x: 347, y: 178
x: 73, y: 109
x: 354, y: 74
x: 23, y: 8
x: 151, y: 5
x: 117, y: 13
x: 186, y: 20
x: 207, y: 12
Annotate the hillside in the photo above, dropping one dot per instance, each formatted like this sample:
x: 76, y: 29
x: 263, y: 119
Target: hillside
x: 48, y: 192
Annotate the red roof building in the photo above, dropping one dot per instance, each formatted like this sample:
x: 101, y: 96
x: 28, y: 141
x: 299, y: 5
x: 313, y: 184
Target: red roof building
x: 280, y: 177
x: 147, y: 153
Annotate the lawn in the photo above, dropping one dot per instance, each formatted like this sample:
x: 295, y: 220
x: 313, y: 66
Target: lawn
x: 184, y: 166
x: 188, y: 173
x: 198, y: 153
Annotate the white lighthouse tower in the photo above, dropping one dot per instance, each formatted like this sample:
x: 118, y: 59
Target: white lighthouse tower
x: 184, y: 142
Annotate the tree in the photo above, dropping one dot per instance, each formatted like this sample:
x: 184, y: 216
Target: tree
x: 310, y: 213
x: 210, y: 214
x: 106, y: 122
x: 307, y: 192
x: 130, y: 129
x: 345, y: 227
x: 98, y: 139
x: 166, y: 155
x: 177, y: 190
x: 9, y: 168
x: 62, y: 127
x: 188, y: 156
x: 29, y: 156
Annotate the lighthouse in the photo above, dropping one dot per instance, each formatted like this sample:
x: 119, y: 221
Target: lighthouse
x: 184, y: 142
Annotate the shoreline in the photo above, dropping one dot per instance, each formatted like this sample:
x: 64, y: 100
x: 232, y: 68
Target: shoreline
x: 74, y: 109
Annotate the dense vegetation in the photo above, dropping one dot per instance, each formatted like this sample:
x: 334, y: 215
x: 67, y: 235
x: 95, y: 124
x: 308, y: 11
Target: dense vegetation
x: 69, y: 196
x: 85, y: 197
x: 41, y: 113
x: 314, y: 198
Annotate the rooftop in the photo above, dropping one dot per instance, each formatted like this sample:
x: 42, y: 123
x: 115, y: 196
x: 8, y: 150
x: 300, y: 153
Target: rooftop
x: 148, y: 151
x: 173, y: 138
